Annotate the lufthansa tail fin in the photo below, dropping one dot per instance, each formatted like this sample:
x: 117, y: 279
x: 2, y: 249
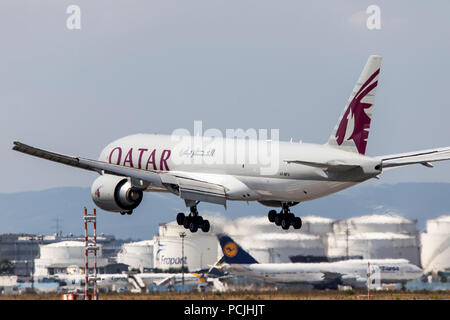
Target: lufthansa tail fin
x: 233, y: 253
x: 352, y: 130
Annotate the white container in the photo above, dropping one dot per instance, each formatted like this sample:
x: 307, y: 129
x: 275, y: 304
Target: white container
x: 137, y: 255
x: 435, y: 255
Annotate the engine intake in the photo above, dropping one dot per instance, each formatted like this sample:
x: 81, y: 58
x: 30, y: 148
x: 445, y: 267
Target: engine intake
x: 115, y: 193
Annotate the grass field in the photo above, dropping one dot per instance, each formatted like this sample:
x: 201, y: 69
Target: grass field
x: 251, y: 295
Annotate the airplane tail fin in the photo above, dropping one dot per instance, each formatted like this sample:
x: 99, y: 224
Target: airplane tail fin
x: 233, y: 253
x: 352, y: 130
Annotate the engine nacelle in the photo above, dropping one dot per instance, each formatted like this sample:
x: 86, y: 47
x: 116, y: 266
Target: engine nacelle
x: 116, y: 194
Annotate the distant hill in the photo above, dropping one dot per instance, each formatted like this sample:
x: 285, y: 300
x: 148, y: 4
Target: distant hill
x: 37, y: 211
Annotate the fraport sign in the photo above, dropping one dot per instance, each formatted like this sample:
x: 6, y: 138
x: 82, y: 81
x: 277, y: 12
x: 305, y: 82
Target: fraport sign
x: 170, y: 261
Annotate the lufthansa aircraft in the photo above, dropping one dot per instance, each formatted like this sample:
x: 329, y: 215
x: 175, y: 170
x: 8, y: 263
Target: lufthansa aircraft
x: 320, y: 275
x: 199, y: 168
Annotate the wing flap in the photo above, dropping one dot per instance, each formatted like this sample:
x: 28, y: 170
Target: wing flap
x: 201, y: 191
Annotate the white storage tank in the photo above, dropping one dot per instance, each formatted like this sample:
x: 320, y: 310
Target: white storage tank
x: 249, y: 225
x: 56, y: 257
x: 377, y: 223
x: 317, y: 225
x: 282, y: 247
x: 200, y: 249
x: 374, y: 245
x: 435, y: 255
x: 261, y: 225
x: 137, y: 255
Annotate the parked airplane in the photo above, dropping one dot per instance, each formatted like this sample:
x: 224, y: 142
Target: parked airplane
x: 139, y: 280
x: 323, y: 274
x: 297, y: 172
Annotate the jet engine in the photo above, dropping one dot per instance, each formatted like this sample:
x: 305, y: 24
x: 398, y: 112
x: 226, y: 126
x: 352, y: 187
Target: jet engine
x: 115, y: 193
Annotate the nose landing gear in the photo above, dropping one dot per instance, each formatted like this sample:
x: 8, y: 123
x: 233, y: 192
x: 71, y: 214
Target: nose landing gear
x: 285, y: 218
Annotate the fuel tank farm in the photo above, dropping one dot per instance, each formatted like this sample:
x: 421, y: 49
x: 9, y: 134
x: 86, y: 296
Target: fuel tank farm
x: 375, y: 237
x: 320, y: 239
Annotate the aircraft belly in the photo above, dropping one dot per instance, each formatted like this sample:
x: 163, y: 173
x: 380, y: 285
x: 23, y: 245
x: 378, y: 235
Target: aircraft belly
x: 293, y: 190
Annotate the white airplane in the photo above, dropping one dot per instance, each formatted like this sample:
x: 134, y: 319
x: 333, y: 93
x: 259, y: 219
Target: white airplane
x: 198, y: 168
x: 324, y: 274
x: 160, y: 279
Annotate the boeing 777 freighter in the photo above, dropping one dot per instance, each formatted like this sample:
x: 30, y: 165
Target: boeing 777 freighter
x: 353, y: 273
x: 201, y: 169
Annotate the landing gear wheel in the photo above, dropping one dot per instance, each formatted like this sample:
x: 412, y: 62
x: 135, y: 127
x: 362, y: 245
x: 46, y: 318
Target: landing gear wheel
x: 277, y: 220
x: 285, y: 223
x: 205, y: 226
x: 297, y: 223
x: 129, y: 212
x: 272, y: 214
x: 180, y: 218
x: 186, y: 222
x: 193, y: 226
x: 123, y: 213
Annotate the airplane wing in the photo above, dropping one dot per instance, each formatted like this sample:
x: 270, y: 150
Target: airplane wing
x: 423, y: 157
x: 344, y: 278
x: 87, y: 164
x: 70, y: 161
x: 327, y: 275
x: 165, y: 281
x: 187, y: 187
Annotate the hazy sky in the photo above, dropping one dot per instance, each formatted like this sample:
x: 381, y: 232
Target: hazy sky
x: 155, y: 66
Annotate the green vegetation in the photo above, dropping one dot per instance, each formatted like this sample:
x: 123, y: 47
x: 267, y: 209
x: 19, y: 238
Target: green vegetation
x: 349, y: 292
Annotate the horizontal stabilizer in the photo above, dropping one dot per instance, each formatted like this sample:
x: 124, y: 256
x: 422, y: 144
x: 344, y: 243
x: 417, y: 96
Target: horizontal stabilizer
x: 424, y: 157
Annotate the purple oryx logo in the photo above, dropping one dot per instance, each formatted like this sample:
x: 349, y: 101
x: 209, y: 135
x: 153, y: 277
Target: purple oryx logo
x: 97, y: 192
x: 361, y: 120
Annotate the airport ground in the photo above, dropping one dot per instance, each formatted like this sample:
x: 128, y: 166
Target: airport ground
x: 257, y: 295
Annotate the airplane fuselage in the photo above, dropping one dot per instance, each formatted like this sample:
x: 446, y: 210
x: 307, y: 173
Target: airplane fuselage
x: 389, y: 271
x: 249, y: 169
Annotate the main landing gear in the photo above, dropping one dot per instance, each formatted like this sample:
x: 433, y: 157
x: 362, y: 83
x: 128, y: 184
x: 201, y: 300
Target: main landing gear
x: 193, y: 221
x: 285, y: 218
